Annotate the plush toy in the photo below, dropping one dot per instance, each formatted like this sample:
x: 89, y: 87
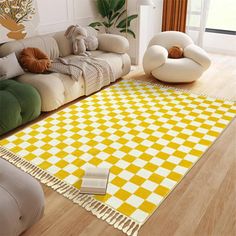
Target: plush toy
x: 175, y: 52
x: 82, y: 39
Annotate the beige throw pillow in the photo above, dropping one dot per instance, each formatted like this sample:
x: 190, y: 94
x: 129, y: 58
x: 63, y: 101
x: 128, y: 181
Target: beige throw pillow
x: 10, y: 67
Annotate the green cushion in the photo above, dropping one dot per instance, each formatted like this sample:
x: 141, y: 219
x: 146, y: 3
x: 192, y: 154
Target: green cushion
x: 19, y: 103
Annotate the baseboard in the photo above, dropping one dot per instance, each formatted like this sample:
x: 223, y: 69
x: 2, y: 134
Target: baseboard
x: 220, y: 51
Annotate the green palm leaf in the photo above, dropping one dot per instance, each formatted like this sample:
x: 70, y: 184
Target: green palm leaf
x: 95, y: 24
x: 119, y: 16
x: 129, y: 31
x: 103, y: 7
x: 112, y: 4
x: 119, y: 5
x: 126, y: 22
x: 107, y: 25
x: 115, y: 15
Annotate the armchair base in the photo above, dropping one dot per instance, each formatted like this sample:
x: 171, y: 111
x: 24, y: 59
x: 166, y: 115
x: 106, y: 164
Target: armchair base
x: 182, y: 70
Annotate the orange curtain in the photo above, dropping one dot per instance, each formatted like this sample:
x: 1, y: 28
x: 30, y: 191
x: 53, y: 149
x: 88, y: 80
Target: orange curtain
x: 174, y: 15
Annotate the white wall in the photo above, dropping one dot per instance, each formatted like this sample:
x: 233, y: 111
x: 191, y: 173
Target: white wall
x: 56, y: 15
x: 148, y: 24
x: 220, y: 43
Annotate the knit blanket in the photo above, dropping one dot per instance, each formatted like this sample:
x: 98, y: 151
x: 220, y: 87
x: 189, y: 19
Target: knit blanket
x: 96, y: 72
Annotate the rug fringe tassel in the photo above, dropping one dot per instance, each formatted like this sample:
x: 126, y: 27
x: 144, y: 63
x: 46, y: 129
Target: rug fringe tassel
x: 97, y: 208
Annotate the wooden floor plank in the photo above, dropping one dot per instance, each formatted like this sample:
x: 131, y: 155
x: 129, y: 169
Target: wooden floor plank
x: 217, y: 220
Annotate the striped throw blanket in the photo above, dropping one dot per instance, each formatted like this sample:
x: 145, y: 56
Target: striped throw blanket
x: 97, y: 73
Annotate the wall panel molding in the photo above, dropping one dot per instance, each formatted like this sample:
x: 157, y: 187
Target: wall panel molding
x: 57, y: 15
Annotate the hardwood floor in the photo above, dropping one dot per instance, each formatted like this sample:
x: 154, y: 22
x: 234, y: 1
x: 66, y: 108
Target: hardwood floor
x: 202, y: 204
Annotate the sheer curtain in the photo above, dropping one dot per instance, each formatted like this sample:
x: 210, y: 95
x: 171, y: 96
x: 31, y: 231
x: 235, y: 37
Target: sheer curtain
x: 197, y: 19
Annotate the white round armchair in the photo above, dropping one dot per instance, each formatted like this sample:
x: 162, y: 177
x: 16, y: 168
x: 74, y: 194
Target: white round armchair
x: 185, y: 69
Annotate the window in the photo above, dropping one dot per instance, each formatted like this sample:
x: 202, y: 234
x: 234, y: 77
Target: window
x: 194, y: 14
x: 222, y: 17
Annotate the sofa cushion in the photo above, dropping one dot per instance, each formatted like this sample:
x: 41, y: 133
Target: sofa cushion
x: 34, y: 60
x: 45, y: 43
x: 112, y: 43
x: 55, y: 89
x: 24, y: 103
x: 64, y: 45
x: 10, y: 67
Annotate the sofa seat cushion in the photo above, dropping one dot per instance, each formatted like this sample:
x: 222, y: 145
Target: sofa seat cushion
x: 55, y: 89
x: 19, y: 103
x: 120, y: 63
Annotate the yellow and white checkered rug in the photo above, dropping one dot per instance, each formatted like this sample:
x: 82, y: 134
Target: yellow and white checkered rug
x: 148, y: 136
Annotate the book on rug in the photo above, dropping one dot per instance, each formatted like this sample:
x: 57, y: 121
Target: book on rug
x: 95, y: 181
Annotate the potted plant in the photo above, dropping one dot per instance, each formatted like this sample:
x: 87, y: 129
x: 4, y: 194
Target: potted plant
x: 114, y: 15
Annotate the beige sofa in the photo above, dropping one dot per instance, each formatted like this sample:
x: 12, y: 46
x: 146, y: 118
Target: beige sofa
x: 57, y: 89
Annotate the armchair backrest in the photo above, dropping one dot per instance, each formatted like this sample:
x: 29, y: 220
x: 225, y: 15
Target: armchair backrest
x: 168, y: 39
